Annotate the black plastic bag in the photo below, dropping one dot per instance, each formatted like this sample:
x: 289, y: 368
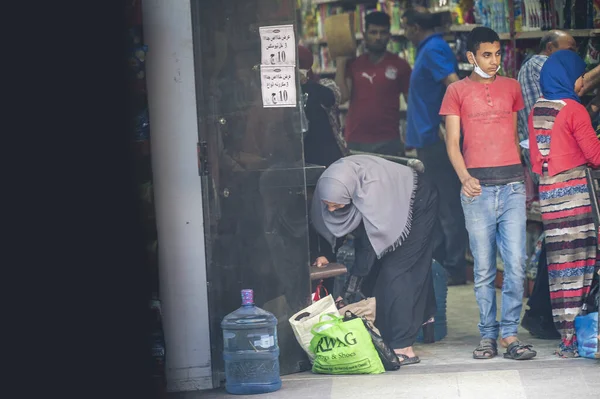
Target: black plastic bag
x: 386, y: 354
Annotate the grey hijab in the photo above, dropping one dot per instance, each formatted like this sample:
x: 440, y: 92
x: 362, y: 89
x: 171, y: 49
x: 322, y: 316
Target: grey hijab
x: 377, y: 192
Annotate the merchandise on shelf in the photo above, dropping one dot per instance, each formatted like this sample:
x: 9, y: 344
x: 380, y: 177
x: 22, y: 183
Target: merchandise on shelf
x: 577, y: 14
x: 507, y: 60
x: 461, y: 47
x: 325, y: 61
x: 592, y: 56
x: 492, y: 14
x: 323, y: 11
x: 518, y: 15
x: 467, y: 8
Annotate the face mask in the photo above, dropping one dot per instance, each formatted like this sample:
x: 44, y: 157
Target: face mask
x: 479, y: 71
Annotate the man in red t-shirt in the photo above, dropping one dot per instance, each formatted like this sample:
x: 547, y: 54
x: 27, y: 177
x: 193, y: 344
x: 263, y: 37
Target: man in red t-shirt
x: 489, y: 167
x: 373, y: 83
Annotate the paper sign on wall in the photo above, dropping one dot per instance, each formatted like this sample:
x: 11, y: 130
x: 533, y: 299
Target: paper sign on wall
x: 278, y: 45
x: 278, y: 66
x: 278, y: 84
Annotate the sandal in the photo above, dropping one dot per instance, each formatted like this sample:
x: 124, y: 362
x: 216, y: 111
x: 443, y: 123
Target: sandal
x: 487, y: 349
x: 408, y: 360
x: 519, y: 351
x: 566, y: 354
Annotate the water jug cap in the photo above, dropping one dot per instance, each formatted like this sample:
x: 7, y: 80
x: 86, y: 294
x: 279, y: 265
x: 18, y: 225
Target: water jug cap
x: 247, y: 297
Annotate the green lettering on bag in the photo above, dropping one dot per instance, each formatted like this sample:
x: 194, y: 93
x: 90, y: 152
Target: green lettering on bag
x: 327, y: 344
x: 348, y: 345
x: 352, y: 341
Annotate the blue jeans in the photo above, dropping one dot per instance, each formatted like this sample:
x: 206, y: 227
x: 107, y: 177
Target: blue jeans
x: 496, y: 219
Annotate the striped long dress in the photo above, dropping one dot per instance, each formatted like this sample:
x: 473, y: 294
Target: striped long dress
x: 571, y: 238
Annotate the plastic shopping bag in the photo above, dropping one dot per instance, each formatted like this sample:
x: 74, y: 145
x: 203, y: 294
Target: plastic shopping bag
x: 303, y: 321
x: 365, y: 308
x: 343, y: 348
x: 317, y: 295
x: 388, y: 357
x: 586, y: 328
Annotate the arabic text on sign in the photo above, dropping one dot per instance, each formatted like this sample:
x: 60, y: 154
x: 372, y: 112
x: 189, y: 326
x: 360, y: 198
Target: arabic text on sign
x: 278, y: 45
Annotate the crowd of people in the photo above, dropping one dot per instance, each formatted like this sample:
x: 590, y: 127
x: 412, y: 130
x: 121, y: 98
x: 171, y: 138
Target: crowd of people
x: 469, y: 133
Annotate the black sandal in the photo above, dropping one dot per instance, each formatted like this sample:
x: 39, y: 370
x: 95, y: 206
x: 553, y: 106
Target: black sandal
x: 408, y: 360
x: 566, y: 354
x: 487, y: 349
x: 519, y: 351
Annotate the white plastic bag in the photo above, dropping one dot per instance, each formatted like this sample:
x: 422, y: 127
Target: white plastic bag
x: 308, y: 317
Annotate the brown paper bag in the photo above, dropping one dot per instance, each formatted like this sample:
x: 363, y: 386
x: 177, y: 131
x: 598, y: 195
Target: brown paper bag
x: 365, y: 308
x: 339, y: 32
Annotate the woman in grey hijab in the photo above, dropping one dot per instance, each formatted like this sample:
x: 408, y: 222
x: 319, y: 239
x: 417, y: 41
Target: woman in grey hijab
x: 391, y: 212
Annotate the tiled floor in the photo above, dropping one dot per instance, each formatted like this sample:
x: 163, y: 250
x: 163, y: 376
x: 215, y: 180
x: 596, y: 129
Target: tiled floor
x: 447, y: 371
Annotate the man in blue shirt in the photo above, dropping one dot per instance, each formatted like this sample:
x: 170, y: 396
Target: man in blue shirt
x: 435, y: 68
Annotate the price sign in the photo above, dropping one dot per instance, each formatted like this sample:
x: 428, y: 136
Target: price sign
x: 278, y: 86
x: 278, y: 45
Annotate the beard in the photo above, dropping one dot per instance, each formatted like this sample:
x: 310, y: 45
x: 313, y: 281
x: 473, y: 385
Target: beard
x: 376, y: 48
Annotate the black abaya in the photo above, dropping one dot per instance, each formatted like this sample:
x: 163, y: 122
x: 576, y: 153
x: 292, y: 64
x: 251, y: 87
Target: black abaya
x: 404, y: 280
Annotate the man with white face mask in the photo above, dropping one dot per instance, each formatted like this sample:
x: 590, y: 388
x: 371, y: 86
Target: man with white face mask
x: 489, y: 167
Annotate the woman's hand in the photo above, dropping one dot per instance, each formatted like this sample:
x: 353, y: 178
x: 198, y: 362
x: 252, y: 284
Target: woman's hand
x: 321, y: 262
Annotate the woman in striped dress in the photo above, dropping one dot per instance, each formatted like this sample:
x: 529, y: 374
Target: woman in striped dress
x: 562, y: 142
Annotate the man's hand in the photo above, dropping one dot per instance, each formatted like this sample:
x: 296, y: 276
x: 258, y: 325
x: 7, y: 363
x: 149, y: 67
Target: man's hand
x: 591, y: 80
x: 321, y: 262
x: 471, y: 187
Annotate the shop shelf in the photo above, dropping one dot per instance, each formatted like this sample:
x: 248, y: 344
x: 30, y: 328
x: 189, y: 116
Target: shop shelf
x: 463, y: 28
x: 325, y: 71
x: 358, y: 36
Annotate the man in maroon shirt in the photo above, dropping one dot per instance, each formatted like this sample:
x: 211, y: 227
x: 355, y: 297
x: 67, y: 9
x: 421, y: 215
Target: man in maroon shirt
x: 373, y: 83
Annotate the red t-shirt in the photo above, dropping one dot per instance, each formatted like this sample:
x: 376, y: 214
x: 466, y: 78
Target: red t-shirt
x: 486, y: 119
x: 374, y: 114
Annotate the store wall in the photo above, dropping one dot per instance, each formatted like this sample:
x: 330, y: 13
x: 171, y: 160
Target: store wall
x: 178, y: 193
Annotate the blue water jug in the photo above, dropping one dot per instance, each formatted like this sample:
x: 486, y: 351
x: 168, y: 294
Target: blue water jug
x: 250, y: 349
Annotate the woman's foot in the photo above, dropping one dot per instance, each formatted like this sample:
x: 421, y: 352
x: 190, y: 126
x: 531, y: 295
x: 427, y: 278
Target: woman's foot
x: 566, y: 354
x: 407, y: 356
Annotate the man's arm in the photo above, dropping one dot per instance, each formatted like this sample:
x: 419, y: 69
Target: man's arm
x: 453, y: 77
x: 517, y: 141
x: 591, y: 80
x: 471, y: 185
x: 343, y: 82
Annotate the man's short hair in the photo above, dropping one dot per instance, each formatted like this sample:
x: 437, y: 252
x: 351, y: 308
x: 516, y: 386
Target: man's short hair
x: 479, y: 35
x: 377, y: 18
x: 550, y: 37
x: 424, y: 19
